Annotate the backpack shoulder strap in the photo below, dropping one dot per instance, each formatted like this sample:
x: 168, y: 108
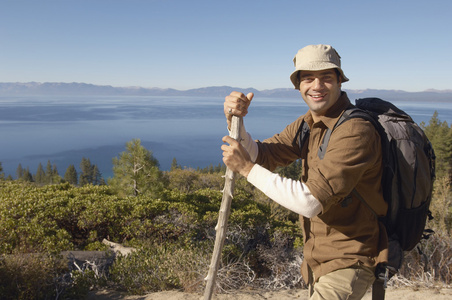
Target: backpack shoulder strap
x: 302, y: 134
x: 378, y: 290
x: 352, y: 112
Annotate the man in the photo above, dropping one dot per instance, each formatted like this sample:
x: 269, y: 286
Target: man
x: 343, y: 238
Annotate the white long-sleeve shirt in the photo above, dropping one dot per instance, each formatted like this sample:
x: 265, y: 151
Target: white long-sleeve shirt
x: 292, y: 194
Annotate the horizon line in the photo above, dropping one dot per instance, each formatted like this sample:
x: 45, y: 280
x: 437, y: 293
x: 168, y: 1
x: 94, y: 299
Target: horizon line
x: 214, y: 86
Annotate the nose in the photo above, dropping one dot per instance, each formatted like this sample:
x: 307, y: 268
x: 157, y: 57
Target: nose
x: 317, y: 83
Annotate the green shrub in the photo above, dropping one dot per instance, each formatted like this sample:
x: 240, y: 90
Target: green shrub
x: 157, y: 267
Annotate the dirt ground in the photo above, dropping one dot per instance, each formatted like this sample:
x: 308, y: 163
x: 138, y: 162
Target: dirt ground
x: 391, y: 294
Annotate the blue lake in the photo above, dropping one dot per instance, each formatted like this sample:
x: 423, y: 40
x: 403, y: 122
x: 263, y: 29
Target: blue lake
x: 65, y: 129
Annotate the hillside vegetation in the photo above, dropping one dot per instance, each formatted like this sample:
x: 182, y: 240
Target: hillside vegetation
x: 169, y: 219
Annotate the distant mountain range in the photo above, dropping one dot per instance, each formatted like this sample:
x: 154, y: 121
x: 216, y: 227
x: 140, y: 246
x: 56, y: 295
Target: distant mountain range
x: 58, y: 88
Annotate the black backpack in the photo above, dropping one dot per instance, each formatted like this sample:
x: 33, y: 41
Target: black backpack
x: 408, y: 175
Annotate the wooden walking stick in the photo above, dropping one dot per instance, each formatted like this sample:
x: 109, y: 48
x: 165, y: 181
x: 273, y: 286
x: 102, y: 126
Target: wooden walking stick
x: 223, y: 216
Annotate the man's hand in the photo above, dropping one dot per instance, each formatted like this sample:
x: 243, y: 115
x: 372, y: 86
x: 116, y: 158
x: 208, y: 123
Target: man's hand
x: 236, y: 104
x: 235, y: 157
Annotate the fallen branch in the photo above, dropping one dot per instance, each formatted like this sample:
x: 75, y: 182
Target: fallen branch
x: 118, y: 248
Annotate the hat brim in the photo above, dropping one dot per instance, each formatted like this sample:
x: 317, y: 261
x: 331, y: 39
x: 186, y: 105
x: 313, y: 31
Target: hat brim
x: 315, y: 66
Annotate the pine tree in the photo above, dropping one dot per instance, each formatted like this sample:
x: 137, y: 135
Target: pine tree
x: 55, y: 174
x: 40, y: 176
x: 96, y: 176
x: 221, y: 168
x: 90, y: 174
x: 440, y: 135
x: 86, y: 174
x: 175, y: 165
x: 71, y: 175
x: 136, y: 171
x: 448, y: 149
x: 292, y: 171
x: 49, y: 174
x: 2, y: 175
x: 26, y: 175
x: 19, y: 172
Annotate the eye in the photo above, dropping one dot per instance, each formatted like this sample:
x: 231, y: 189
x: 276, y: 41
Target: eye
x: 307, y: 79
x: 330, y: 77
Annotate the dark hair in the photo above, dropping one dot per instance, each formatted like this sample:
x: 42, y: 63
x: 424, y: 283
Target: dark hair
x: 339, y: 76
x: 336, y: 70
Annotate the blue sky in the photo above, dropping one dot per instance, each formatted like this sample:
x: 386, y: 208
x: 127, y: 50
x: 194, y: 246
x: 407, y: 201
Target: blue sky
x: 186, y: 44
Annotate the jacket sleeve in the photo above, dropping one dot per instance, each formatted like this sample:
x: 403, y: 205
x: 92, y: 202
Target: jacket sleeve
x: 280, y: 150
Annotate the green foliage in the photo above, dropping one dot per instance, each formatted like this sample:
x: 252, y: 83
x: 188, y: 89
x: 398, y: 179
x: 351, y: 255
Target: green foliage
x: 156, y: 267
x: 49, y: 176
x: 440, y: 135
x: 63, y: 217
x: 57, y: 217
x: 40, y: 176
x: 23, y: 174
x: 190, y: 180
x: 89, y: 174
x: 19, y: 171
x: 71, y: 175
x: 292, y: 171
x: 168, y: 216
x: 182, y: 180
x: 136, y: 171
x: 441, y: 207
x: 175, y: 230
x: 220, y: 168
x: 175, y: 165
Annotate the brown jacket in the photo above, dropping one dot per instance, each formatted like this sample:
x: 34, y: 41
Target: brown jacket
x: 346, y: 232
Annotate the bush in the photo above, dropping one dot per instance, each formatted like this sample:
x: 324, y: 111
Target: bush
x: 428, y: 265
x: 173, y: 230
x: 57, y: 217
x: 157, y: 267
x: 174, y: 235
x: 32, y: 276
x: 54, y: 218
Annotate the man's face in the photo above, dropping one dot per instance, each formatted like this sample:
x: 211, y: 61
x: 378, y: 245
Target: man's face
x: 320, y: 90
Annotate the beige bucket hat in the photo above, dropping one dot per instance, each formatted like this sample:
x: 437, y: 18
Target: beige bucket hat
x: 316, y: 58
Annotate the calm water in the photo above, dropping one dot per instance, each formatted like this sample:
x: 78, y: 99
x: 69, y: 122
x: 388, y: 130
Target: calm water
x: 65, y: 129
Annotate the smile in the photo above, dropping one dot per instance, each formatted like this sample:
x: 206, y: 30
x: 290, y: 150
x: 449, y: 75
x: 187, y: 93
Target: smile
x: 317, y: 97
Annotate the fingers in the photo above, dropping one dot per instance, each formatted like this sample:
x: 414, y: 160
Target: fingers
x: 229, y: 140
x: 236, y: 157
x: 237, y: 104
x: 229, y: 149
x: 250, y: 97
